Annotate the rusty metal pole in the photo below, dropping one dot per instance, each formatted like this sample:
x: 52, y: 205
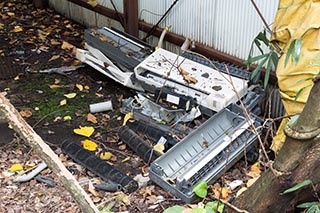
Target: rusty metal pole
x: 131, y: 19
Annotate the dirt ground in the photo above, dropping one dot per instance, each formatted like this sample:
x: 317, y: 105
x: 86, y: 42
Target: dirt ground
x: 33, y: 40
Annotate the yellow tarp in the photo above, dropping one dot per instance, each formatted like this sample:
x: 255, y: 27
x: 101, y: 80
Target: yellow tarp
x: 296, y: 19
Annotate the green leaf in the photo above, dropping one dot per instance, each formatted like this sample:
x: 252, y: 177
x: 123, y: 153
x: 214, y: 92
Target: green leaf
x: 300, y: 91
x: 304, y: 79
x: 267, y: 74
x: 174, y: 209
x: 308, y: 205
x: 298, y: 186
x: 313, y: 209
x: 263, y: 37
x: 275, y: 59
x: 297, y: 51
x: 258, y: 68
x: 201, y: 189
x: 250, y: 60
x: 258, y: 44
x: 198, y: 210
x: 214, y: 206
x: 289, y: 52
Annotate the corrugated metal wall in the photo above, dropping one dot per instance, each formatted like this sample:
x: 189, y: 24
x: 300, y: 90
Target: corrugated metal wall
x: 226, y: 25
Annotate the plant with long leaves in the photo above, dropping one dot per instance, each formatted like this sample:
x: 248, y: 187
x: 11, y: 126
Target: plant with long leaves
x: 311, y: 207
x: 268, y: 59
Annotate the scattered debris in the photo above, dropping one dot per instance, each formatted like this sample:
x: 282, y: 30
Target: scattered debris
x: 32, y: 174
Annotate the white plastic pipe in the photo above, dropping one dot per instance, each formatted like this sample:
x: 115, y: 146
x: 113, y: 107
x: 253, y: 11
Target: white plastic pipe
x: 100, y: 107
x: 32, y: 174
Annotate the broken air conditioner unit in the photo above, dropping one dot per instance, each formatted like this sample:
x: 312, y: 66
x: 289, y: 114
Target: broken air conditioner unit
x: 205, y: 153
x: 114, y: 54
x: 211, y: 88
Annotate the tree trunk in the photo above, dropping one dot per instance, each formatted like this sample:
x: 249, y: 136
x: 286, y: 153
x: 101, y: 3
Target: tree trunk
x: 298, y: 160
x: 47, y: 155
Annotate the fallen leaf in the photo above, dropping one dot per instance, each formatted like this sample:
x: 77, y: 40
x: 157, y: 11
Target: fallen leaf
x: 99, y: 95
x: 122, y: 147
x: 54, y: 86
x: 57, y: 81
x: 159, y: 147
x: 241, y: 191
x: 92, y: 190
x: 16, y: 167
x: 80, y: 87
x: 54, y: 42
x: 57, y: 119
x: 92, y: 3
x: 67, y: 46
x: 127, y: 117
x: 126, y: 159
x: 70, y: 95
x: 84, y: 131
x: 67, y: 118
x: 106, y: 155
x: 10, y: 14
x: 251, y: 181
x: 113, y: 158
x: 63, y: 102
x: 26, y: 113
x: 190, y: 79
x: 86, y: 87
x: 17, y: 78
x: 54, y: 57
x: 89, y: 145
x: 17, y: 29
x: 254, y: 171
x: 91, y: 118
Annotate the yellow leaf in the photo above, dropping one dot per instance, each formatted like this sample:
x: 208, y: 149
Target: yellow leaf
x: 84, y: 131
x: 89, y: 145
x: 17, y: 78
x: 16, y: 168
x: 91, y: 118
x: 63, y: 102
x: 106, y: 155
x: 159, y: 147
x: 70, y: 95
x: 125, y: 160
x: 67, y: 118
x: 17, y: 29
x: 93, y: 3
x: 55, y: 57
x: 119, y: 118
x: 69, y: 26
x: 86, y: 87
x: 1, y: 26
x: 127, y: 117
x: 80, y: 87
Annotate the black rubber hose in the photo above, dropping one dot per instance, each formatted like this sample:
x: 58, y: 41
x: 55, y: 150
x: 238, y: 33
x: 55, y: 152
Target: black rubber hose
x: 99, y: 167
x: 146, y: 152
